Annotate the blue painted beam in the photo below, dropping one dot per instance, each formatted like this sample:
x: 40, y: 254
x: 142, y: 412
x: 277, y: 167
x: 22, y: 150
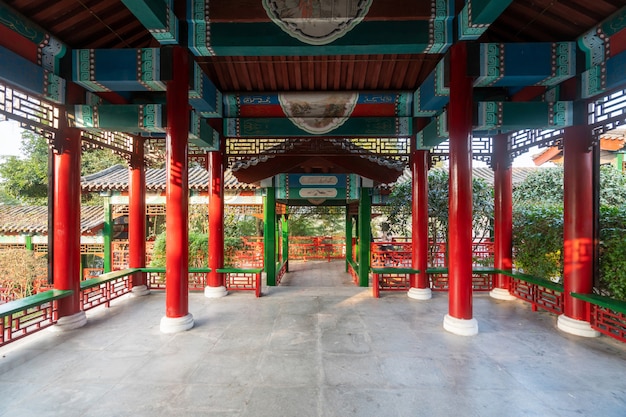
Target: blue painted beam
x: 606, y: 76
x: 30, y: 77
x: 523, y: 64
x: 104, y: 70
x: 434, y: 93
x: 204, y: 97
x: 158, y: 17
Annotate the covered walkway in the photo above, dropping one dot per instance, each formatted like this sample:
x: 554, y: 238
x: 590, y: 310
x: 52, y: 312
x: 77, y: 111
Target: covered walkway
x: 311, y: 350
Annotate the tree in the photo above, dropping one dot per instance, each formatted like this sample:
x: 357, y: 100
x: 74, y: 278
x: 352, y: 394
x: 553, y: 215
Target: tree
x: 400, y: 208
x: 25, y: 180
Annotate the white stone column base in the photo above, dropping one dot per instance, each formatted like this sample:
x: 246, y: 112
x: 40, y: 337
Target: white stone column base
x: 460, y: 327
x: 176, y: 324
x: 576, y: 327
x: 71, y: 322
x: 139, y: 290
x: 501, y: 294
x: 420, y: 293
x: 215, y: 292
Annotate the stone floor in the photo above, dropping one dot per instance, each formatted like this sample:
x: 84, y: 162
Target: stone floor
x: 315, y: 346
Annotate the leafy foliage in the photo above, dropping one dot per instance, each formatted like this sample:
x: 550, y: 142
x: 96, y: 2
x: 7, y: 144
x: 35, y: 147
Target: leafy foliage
x: 21, y: 271
x: 538, y: 240
x: 545, y: 187
x: 25, y: 180
x: 400, y: 211
x: 613, y: 250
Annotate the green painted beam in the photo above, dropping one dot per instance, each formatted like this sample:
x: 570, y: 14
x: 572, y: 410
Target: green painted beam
x: 365, y: 233
x: 158, y: 17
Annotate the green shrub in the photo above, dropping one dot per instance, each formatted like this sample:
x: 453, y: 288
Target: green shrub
x: 538, y: 240
x: 613, y: 251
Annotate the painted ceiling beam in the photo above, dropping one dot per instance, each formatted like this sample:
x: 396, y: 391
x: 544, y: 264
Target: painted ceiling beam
x: 158, y: 17
x: 49, y: 50
x: 476, y: 16
x: 434, y: 93
x: 144, y: 119
x: 604, y: 77
x: 522, y: 64
x: 322, y: 127
x: 279, y: 28
x: 493, y: 117
x: 507, y: 116
x: 319, y: 104
x: 141, y: 70
x: 434, y: 133
x: 31, y: 77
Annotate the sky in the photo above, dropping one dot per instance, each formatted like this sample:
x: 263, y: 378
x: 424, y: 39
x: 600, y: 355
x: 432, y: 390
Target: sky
x: 10, y: 139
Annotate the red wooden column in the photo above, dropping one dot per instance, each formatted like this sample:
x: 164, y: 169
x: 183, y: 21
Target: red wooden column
x: 577, y: 229
x: 420, y: 288
x: 503, y: 216
x: 66, y: 252
x: 137, y: 217
x: 177, y: 317
x: 459, y: 319
x: 215, y: 287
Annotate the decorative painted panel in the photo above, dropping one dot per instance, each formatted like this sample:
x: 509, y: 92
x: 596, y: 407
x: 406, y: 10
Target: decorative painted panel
x: 317, y: 188
x: 318, y: 27
x: 31, y: 77
x: 318, y: 104
x: 281, y: 127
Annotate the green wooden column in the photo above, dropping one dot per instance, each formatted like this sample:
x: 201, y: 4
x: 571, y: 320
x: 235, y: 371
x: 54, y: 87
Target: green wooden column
x: 365, y: 233
x: 269, y: 234
x: 348, y: 238
x: 107, y: 234
x: 28, y: 242
x: 285, y: 236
